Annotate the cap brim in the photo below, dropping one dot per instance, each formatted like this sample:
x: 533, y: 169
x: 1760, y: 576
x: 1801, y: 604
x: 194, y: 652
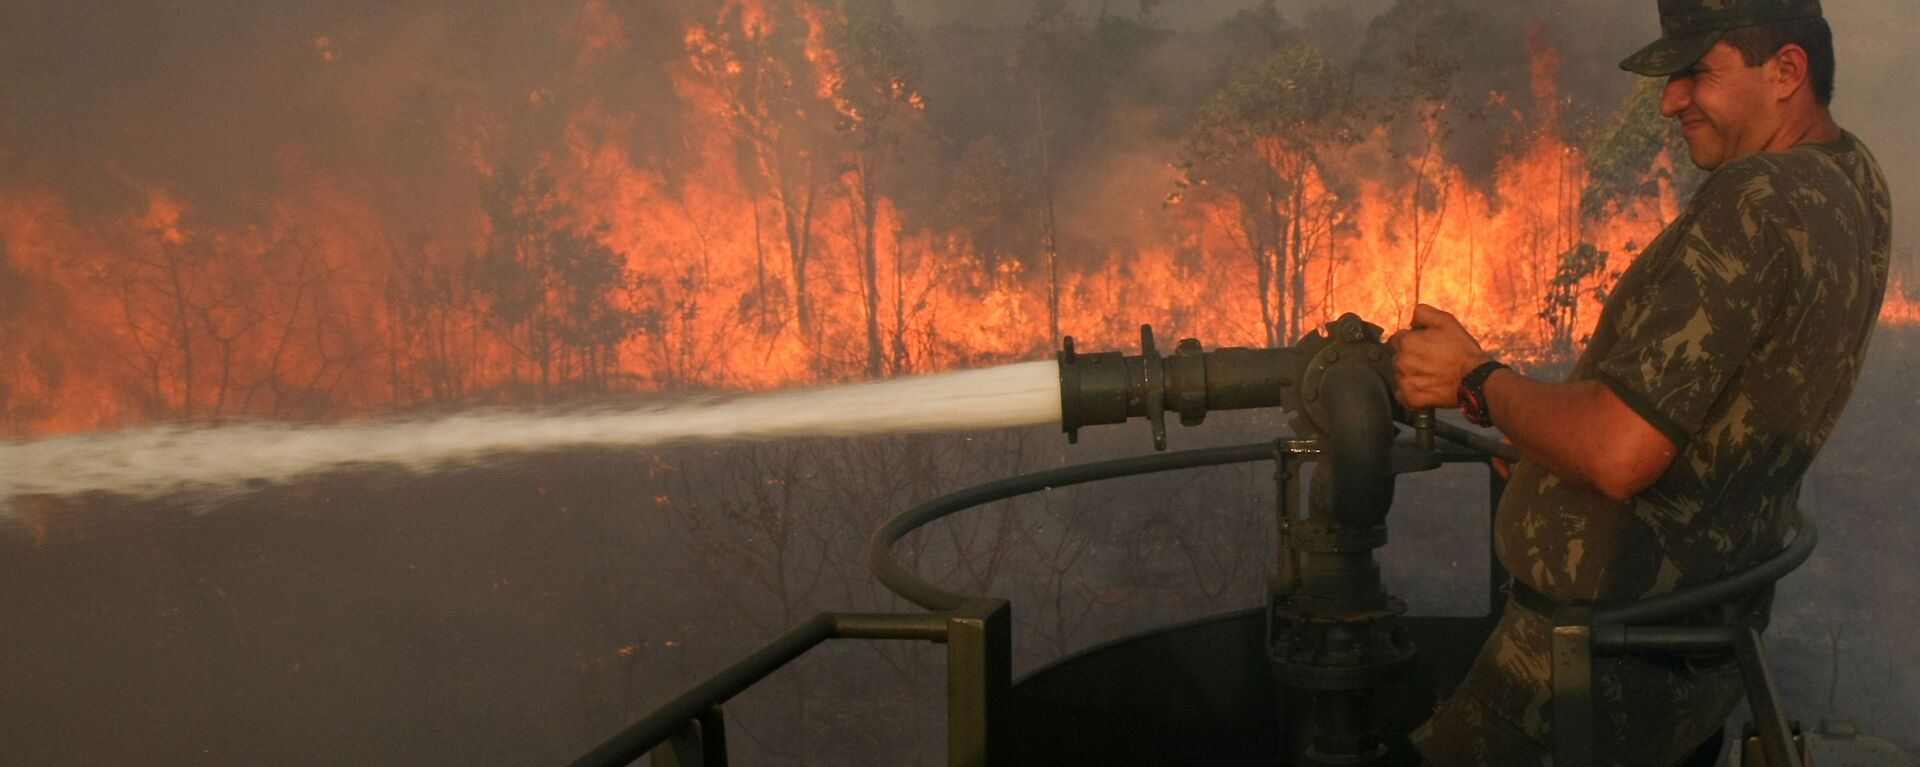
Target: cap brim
x: 1669, y: 55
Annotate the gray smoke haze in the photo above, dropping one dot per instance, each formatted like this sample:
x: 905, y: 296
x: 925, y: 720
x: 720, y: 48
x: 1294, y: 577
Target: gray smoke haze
x: 225, y: 104
x: 1877, y: 60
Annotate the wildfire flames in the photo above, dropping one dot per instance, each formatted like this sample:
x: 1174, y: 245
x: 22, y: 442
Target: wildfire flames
x: 768, y: 248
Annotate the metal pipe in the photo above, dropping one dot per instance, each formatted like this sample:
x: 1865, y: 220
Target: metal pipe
x: 1359, y: 442
x: 635, y: 741
x: 979, y: 683
x: 639, y: 738
x: 930, y: 627
x: 1461, y: 436
x: 1109, y: 387
x: 1763, y: 699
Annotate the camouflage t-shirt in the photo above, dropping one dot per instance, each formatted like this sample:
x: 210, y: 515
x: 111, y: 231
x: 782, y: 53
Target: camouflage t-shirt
x: 1738, y: 333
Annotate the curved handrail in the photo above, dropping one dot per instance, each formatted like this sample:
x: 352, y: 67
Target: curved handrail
x: 898, y: 580
x: 1634, y: 628
x: 643, y: 736
x: 1712, y: 593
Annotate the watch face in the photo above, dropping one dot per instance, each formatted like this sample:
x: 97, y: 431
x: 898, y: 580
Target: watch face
x: 1472, y: 407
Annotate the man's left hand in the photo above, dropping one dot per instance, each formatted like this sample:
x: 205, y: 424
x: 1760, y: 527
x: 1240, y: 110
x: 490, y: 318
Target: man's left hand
x: 1431, y: 358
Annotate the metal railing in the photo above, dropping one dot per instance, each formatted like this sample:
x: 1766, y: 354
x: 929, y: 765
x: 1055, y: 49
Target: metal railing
x: 1582, y: 633
x: 689, y: 730
x: 897, y: 579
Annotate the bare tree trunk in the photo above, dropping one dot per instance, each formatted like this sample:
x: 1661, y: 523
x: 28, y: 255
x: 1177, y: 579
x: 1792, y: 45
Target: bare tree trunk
x: 1050, y: 237
x: 1422, y: 241
x: 759, y: 251
x: 899, y: 364
x: 1282, y: 258
x: 1272, y: 254
x: 799, y: 227
x: 1263, y: 273
x: 183, y: 331
x: 868, y: 211
x: 1297, y: 252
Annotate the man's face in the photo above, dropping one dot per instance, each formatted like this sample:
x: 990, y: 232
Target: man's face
x: 1725, y: 107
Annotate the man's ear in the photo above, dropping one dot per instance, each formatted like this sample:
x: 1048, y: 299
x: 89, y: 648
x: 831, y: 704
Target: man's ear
x: 1788, y: 71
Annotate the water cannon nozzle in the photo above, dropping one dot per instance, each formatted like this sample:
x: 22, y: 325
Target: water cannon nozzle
x: 1110, y: 387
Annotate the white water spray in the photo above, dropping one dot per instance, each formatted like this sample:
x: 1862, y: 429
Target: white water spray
x: 156, y: 461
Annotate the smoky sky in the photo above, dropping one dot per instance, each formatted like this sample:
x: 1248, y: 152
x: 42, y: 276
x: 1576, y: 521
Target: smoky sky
x: 226, y: 104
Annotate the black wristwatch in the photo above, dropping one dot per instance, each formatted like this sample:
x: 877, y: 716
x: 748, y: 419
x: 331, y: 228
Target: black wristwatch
x: 1473, y: 394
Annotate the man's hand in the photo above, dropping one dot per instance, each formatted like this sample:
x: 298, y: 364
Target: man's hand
x: 1431, y: 358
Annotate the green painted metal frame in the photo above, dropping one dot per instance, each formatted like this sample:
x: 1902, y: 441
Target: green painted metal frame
x: 688, y: 731
x: 1581, y: 633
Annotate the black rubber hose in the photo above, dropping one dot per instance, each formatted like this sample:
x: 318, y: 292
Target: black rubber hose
x: 1694, y: 600
x: 1680, y: 603
x: 899, y: 581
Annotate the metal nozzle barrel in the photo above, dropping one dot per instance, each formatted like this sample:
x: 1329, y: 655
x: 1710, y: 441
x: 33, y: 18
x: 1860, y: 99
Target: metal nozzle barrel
x: 1110, y: 387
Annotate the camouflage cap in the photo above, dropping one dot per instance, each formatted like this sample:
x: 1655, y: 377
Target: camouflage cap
x: 1689, y: 28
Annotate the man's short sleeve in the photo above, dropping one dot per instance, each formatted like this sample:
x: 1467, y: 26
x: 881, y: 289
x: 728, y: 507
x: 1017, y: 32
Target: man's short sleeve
x: 1708, y: 304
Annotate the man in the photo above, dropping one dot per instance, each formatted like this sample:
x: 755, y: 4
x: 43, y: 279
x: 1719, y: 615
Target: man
x: 1672, y: 454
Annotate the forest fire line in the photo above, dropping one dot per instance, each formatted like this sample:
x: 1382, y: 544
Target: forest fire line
x: 773, y: 247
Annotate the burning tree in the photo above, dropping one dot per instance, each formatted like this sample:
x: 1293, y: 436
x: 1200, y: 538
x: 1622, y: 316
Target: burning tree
x: 555, y: 292
x: 434, y: 324
x: 1633, y: 161
x: 754, y: 64
x: 1257, y: 160
x: 876, y: 97
x: 31, y: 372
x: 231, y: 323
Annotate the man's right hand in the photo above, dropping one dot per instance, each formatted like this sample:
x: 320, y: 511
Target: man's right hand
x: 1431, y: 356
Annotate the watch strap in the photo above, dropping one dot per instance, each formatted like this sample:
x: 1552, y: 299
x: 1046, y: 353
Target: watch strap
x: 1473, y: 394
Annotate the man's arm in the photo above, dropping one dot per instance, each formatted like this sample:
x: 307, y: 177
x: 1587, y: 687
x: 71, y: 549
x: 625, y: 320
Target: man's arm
x: 1580, y: 430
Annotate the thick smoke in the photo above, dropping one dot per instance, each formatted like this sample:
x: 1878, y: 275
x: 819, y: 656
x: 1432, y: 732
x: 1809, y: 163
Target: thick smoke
x: 1876, y: 63
x: 407, y: 104
x: 227, y: 104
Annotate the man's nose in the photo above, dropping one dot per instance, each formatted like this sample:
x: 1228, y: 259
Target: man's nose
x: 1677, y: 96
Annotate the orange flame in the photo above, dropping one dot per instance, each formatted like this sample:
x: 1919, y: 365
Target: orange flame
x: 762, y: 257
